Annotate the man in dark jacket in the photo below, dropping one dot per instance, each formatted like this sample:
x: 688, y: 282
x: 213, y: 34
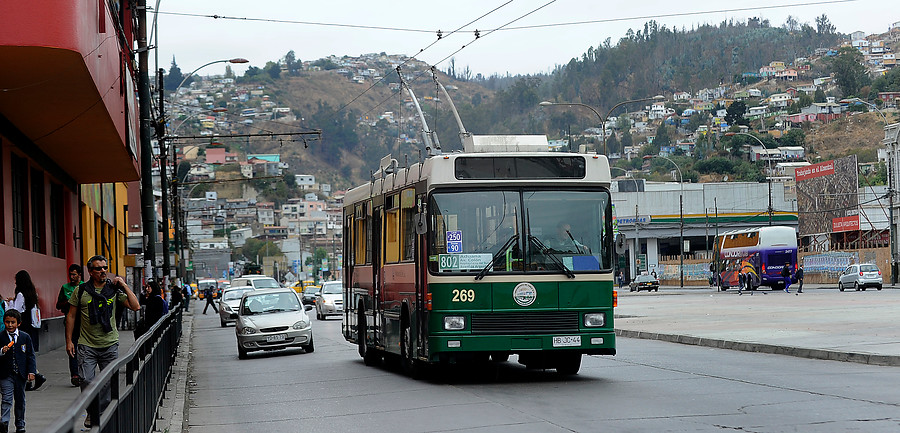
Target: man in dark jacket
x: 786, y: 275
x: 208, y: 295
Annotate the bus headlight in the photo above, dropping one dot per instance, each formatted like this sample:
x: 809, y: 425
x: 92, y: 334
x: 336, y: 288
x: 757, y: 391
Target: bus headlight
x: 594, y: 320
x: 454, y: 323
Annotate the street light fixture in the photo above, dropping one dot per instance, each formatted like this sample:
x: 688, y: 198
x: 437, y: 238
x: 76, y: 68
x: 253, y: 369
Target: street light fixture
x: 163, y: 155
x: 234, y: 60
x: 637, y: 238
x: 770, y: 210
x: 602, y: 119
x: 680, y: 215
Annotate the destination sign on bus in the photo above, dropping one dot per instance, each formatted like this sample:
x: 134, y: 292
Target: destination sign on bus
x: 462, y: 262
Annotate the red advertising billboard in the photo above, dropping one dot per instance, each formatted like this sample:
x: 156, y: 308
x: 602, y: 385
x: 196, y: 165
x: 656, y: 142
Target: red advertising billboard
x: 810, y: 171
x: 845, y: 224
x: 827, y: 199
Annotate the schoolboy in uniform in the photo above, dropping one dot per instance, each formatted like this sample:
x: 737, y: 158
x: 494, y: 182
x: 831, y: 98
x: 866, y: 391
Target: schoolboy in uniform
x: 17, y: 366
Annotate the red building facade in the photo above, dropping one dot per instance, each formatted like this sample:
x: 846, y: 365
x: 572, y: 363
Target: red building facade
x: 68, y: 138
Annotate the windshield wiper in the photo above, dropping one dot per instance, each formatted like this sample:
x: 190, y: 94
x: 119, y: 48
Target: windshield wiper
x: 545, y: 250
x: 574, y: 242
x: 496, y: 256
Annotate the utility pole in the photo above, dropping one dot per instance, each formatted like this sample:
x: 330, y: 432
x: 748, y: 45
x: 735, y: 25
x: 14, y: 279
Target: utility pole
x: 148, y: 213
x: 163, y: 169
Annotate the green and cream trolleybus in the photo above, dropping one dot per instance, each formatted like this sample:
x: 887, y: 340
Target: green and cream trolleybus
x: 502, y: 249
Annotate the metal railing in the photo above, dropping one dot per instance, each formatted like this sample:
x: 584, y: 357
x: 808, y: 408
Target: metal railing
x: 136, y: 383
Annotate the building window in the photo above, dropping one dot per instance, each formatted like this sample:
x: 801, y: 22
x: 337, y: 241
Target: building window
x: 38, y: 225
x: 19, y: 188
x: 57, y: 218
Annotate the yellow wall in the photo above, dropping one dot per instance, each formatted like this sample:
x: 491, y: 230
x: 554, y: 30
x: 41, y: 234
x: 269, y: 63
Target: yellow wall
x: 104, y: 218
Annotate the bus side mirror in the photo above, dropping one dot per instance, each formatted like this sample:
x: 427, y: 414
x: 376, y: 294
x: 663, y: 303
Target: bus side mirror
x: 420, y: 222
x: 620, y: 243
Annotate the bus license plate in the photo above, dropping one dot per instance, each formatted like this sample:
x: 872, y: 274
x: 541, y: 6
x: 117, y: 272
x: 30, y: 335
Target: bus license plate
x: 274, y: 338
x: 567, y: 341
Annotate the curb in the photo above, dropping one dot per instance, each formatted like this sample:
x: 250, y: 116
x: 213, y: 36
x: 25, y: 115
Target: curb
x: 171, y: 416
x: 800, y: 352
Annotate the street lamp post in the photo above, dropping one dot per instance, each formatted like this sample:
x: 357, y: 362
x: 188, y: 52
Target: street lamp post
x: 163, y: 154
x: 636, y: 238
x: 602, y: 119
x: 770, y: 210
x: 680, y: 215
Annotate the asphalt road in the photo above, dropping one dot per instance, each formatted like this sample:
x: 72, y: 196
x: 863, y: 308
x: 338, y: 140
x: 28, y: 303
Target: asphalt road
x: 650, y: 386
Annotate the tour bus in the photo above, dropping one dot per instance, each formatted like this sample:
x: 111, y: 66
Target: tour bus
x: 502, y: 249
x: 760, y: 252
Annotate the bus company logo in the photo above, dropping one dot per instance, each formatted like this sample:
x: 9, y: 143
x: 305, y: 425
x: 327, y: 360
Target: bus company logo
x: 524, y: 294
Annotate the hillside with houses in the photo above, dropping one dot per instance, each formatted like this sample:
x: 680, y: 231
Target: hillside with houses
x: 766, y: 122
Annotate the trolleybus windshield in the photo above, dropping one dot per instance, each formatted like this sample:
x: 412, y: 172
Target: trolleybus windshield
x: 520, y: 231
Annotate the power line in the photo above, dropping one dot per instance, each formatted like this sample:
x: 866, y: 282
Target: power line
x: 562, y: 24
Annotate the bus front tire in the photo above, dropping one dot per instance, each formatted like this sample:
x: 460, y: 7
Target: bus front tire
x: 408, y: 360
x: 568, y: 364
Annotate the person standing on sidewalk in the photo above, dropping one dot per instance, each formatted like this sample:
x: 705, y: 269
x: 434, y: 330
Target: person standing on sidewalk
x: 62, y: 304
x: 95, y: 302
x: 25, y: 301
x: 799, y: 276
x: 786, y: 275
x: 208, y: 295
x: 17, y: 365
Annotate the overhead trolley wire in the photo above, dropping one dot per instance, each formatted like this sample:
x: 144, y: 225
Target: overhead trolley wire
x: 562, y: 24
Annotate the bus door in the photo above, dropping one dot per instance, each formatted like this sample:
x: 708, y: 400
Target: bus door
x: 421, y: 261
x: 377, y: 298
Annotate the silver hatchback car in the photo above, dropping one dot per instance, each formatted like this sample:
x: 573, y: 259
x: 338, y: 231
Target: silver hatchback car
x: 860, y: 276
x: 270, y: 319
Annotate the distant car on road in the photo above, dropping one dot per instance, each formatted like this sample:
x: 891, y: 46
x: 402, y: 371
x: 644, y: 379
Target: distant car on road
x: 309, y: 295
x: 229, y: 303
x: 860, y: 276
x: 271, y: 319
x: 330, y: 300
x: 644, y: 282
x: 257, y: 281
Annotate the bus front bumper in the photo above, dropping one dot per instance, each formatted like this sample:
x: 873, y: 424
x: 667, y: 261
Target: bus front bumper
x: 592, y: 343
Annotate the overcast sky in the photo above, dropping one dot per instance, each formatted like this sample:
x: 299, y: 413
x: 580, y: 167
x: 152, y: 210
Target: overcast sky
x: 406, y: 27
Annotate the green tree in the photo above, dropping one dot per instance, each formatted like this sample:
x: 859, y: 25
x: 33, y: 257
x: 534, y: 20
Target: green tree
x: 612, y: 143
x: 849, y: 73
x: 824, y: 26
x: 663, y: 138
x: 174, y: 77
x: 293, y: 65
x: 819, y: 96
x: 794, y: 137
x: 734, y: 114
x: 273, y: 70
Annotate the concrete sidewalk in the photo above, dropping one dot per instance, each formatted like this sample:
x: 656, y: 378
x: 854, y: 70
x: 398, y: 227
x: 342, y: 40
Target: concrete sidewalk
x: 820, y: 323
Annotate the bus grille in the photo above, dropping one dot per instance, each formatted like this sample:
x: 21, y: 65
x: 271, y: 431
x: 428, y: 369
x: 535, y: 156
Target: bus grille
x: 543, y: 322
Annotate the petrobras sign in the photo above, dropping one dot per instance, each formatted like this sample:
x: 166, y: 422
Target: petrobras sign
x: 626, y: 220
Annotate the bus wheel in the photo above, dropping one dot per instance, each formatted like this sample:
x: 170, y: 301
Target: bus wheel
x: 499, y: 356
x: 370, y: 356
x: 408, y: 360
x: 568, y: 364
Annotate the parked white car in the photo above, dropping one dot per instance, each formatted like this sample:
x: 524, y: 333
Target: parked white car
x: 860, y: 276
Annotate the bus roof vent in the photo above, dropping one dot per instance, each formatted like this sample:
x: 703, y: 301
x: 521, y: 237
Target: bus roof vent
x: 505, y: 143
